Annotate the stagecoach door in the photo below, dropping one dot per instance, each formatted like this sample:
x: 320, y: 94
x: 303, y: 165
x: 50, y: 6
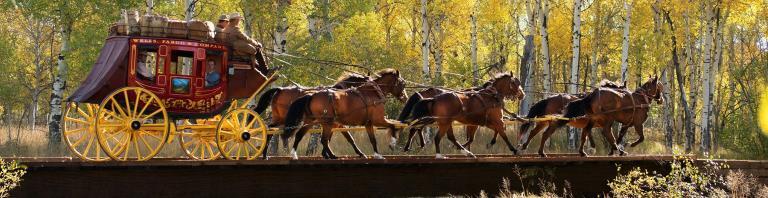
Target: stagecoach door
x: 182, y: 71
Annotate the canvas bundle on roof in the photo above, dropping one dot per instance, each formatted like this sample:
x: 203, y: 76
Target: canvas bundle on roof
x: 160, y: 26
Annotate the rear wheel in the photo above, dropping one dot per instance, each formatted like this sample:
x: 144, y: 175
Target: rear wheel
x: 199, y: 141
x: 132, y: 124
x: 241, y: 134
x: 79, y: 133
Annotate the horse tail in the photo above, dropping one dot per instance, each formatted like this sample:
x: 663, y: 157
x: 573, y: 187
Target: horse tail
x: 416, y: 97
x: 422, y: 111
x: 538, y: 109
x: 578, y: 107
x: 265, y: 100
x: 295, y: 116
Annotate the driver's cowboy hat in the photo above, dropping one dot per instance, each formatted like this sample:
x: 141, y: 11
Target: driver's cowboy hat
x: 235, y: 16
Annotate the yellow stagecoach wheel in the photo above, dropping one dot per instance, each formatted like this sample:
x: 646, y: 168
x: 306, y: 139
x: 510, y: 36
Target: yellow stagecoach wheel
x: 241, y: 134
x: 199, y: 141
x: 79, y: 133
x: 132, y: 124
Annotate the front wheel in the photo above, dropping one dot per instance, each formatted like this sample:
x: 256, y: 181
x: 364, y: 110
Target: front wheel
x: 241, y: 134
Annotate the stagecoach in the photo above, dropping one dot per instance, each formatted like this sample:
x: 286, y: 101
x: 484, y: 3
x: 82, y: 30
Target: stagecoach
x: 144, y: 92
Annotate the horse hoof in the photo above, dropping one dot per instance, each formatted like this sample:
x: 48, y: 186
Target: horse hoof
x: 622, y: 153
x: 542, y: 155
x: 591, y: 151
x: 294, y: 155
x: 378, y: 156
x: 363, y: 156
x: 440, y: 156
x: 468, y: 153
x: 583, y: 154
x: 488, y: 146
x: 406, y: 149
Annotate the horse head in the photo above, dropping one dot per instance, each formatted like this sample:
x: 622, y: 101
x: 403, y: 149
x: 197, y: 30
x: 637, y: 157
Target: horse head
x: 653, y: 89
x: 508, y: 86
x: 390, y: 82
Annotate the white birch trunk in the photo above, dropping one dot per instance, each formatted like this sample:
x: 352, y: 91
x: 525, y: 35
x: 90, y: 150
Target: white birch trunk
x: 707, y: 78
x: 281, y: 27
x: 438, y: 46
x: 529, y: 55
x: 473, y: 49
x: 625, y: 42
x: 574, y: 80
x: 59, y: 84
x: 425, y: 41
x: 543, y: 7
x: 190, y: 12
x: 150, y: 6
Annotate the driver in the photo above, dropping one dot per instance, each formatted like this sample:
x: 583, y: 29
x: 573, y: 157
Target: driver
x: 242, y: 43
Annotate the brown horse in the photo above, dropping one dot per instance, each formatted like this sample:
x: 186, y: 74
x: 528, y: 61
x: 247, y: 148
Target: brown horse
x: 363, y: 105
x: 405, y: 114
x: 604, y: 106
x: 552, y: 105
x: 475, y: 108
x: 280, y: 99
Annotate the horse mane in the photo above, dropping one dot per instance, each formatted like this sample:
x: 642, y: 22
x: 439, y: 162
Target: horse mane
x: 610, y: 84
x: 578, y: 107
x: 349, y: 76
x: 387, y: 71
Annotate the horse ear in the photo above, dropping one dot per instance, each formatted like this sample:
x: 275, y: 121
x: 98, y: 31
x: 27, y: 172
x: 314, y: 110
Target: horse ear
x: 511, y: 73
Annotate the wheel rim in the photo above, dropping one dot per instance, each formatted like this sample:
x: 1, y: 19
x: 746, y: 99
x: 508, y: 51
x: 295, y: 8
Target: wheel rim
x: 79, y: 133
x: 241, y: 134
x: 132, y: 124
x: 199, y: 144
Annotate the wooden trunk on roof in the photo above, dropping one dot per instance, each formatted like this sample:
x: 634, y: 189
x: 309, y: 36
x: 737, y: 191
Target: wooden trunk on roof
x: 177, y: 29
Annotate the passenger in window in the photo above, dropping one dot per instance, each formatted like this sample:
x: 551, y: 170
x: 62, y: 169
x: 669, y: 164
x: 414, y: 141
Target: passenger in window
x: 212, y: 75
x: 144, y: 70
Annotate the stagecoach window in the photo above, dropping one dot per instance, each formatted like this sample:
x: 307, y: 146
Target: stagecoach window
x: 181, y: 63
x: 146, y: 64
x: 212, y: 68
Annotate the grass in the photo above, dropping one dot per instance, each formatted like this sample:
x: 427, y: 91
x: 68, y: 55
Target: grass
x: 25, y: 142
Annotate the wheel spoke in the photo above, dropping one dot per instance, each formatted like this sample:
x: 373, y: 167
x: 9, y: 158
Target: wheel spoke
x: 186, y: 144
x: 90, y: 109
x: 127, y: 102
x: 251, y: 122
x: 127, y: 150
x: 153, y: 136
x: 82, y: 113
x: 253, y: 146
x: 202, y: 151
x: 208, y: 148
x: 88, y: 146
x: 229, y: 150
x: 136, y: 146
x: 197, y: 146
x: 74, y: 131
x: 239, y: 148
x: 136, y: 103
x: 247, y: 152
x: 144, y: 140
x: 119, y: 108
x: 76, y: 120
x: 78, y: 141
x: 152, y: 114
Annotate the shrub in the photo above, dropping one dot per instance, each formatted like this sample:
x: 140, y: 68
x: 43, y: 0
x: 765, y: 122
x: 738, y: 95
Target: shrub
x: 10, y: 176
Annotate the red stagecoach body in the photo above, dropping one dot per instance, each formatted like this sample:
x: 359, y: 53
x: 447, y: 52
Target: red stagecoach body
x: 178, y: 73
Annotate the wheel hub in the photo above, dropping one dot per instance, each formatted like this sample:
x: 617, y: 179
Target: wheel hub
x: 135, y: 125
x: 245, y: 136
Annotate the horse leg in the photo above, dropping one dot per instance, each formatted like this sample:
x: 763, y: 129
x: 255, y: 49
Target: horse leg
x: 493, y: 141
x: 266, y: 147
x: 412, y: 133
x: 453, y: 140
x: 608, y: 133
x: 325, y: 139
x: 297, y: 139
x: 422, y: 139
x: 622, y: 133
x: 535, y: 131
x: 442, y: 129
x: 471, y: 130
x: 641, y: 137
x: 372, y: 137
x: 551, y: 129
x: 587, y: 131
x: 351, y: 140
x: 498, y: 128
